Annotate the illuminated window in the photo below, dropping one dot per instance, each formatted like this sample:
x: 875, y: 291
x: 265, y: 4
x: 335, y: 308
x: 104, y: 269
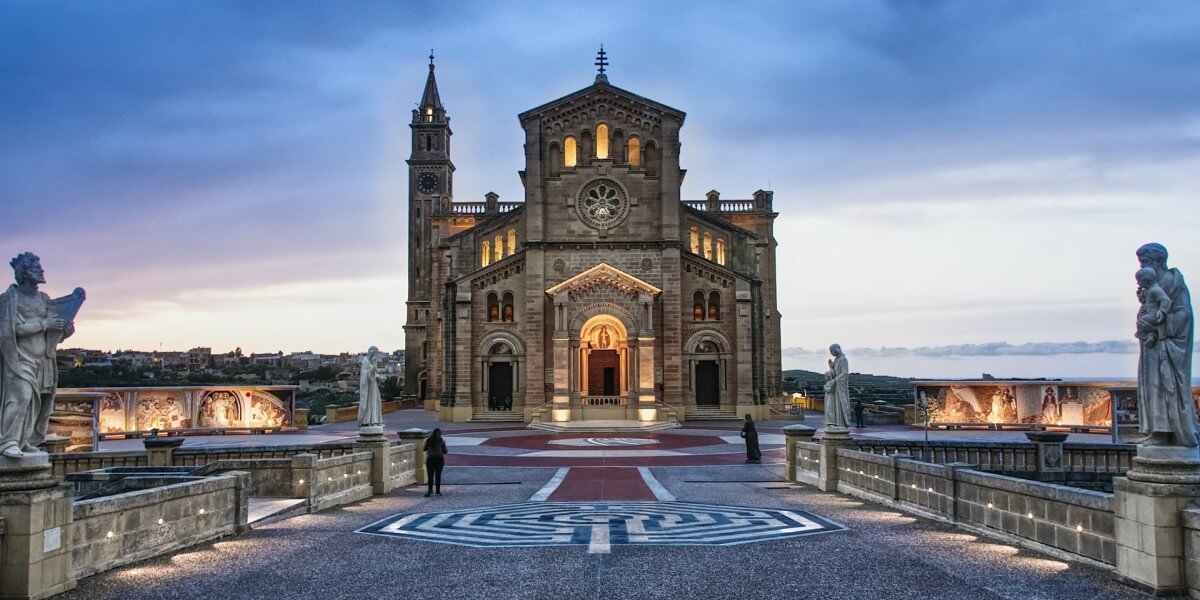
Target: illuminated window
x: 493, y: 307
x: 499, y: 248
x: 602, y: 141
x: 720, y: 251
x: 512, y: 242
x: 695, y: 241
x: 708, y: 245
x: 714, y: 306
x: 633, y: 151
x: 698, y: 306
x: 570, y: 152
x: 487, y: 253
x: 508, y: 307
x: 428, y: 114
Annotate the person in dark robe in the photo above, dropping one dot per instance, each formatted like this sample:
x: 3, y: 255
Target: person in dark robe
x: 858, y: 414
x: 435, y: 461
x: 753, y: 454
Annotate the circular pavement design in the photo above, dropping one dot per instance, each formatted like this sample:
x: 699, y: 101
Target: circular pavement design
x: 601, y: 524
x: 604, y: 442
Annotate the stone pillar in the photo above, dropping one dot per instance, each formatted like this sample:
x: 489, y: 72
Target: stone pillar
x: 834, y: 438
x: 1049, y: 454
x: 1148, y: 503
x: 300, y: 418
x: 304, y: 484
x: 416, y: 437
x: 55, y: 444
x: 160, y: 451
x: 795, y: 434
x: 35, y: 551
x: 371, y: 439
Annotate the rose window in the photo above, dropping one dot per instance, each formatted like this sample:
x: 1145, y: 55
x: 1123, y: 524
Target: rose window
x: 602, y: 204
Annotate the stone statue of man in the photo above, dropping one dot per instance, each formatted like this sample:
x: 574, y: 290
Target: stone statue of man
x: 1166, y: 411
x: 370, y: 405
x: 31, y: 327
x: 837, y: 389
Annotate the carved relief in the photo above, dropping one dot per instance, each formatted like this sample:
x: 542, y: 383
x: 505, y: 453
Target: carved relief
x: 220, y: 409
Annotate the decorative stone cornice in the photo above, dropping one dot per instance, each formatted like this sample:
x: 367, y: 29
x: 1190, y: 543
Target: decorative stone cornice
x: 603, y: 274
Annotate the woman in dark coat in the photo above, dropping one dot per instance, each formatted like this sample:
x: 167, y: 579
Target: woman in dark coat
x: 435, y: 461
x: 753, y: 454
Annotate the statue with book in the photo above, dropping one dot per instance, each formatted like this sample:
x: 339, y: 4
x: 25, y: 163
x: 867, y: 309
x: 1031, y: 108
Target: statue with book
x: 31, y: 326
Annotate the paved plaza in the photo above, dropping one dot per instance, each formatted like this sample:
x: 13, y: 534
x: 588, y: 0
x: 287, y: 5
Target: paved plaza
x: 529, y: 514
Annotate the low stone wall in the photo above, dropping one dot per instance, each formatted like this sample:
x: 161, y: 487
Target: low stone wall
x: 116, y: 530
x: 1078, y: 522
x: 74, y: 462
x: 269, y: 477
x: 340, y: 414
x: 402, y: 466
x: 338, y: 480
x: 808, y: 462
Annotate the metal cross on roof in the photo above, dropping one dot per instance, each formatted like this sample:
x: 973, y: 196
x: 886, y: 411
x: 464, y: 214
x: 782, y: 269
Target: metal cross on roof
x: 601, y: 61
x: 431, y: 57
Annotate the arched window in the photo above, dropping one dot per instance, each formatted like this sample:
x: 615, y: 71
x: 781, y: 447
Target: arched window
x: 587, y: 147
x: 698, y: 306
x: 651, y: 159
x: 617, y: 146
x: 708, y: 245
x: 602, y: 141
x: 570, y: 152
x: 512, y: 242
x: 633, y: 151
x: 721, y: 251
x: 508, y: 307
x: 428, y: 142
x: 714, y: 306
x: 493, y: 307
x: 555, y: 159
x: 425, y: 351
x: 498, y: 248
x: 486, y: 254
x: 695, y: 241
x: 428, y: 114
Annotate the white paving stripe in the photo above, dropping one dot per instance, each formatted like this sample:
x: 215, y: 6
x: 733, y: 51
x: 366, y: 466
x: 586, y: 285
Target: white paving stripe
x: 599, y: 542
x: 550, y: 486
x: 660, y: 492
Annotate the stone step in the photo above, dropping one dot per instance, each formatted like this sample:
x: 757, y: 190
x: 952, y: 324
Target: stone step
x: 498, y: 416
x: 263, y: 511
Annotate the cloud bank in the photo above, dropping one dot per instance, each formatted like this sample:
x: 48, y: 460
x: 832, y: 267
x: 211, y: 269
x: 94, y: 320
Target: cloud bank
x: 987, y: 349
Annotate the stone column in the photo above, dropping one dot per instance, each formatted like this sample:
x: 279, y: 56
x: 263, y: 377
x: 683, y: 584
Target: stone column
x: 160, y: 451
x: 1049, y: 454
x: 1148, y: 503
x: 35, y: 551
x: 834, y: 438
x: 795, y: 434
x: 371, y: 439
x: 416, y: 437
x: 304, y: 481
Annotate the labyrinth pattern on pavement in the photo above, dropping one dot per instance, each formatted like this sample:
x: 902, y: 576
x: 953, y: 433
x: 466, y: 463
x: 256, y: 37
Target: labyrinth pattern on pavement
x: 531, y: 524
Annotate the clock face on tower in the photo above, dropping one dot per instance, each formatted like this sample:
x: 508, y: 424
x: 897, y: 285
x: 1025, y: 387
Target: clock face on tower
x: 428, y: 183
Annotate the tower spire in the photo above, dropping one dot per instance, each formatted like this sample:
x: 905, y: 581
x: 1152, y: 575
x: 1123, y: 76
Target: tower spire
x: 601, y: 63
x: 431, y: 99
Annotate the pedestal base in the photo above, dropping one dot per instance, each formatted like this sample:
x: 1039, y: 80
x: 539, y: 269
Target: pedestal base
x: 29, y: 472
x: 1147, y: 506
x: 35, y: 557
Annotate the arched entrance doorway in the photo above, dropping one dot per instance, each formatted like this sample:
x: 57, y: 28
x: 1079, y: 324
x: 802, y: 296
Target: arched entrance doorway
x: 604, y: 361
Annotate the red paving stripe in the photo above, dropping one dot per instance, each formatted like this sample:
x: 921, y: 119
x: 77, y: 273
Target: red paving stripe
x: 770, y: 457
x: 602, y: 483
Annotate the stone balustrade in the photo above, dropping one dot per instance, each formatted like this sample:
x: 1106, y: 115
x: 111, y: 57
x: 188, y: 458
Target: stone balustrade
x: 116, y: 530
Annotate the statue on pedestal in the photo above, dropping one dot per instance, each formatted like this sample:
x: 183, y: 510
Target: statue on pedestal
x: 1167, y: 414
x: 31, y: 327
x: 370, y: 405
x: 837, y: 389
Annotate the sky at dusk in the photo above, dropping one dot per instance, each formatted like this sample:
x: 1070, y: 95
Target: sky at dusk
x: 961, y: 185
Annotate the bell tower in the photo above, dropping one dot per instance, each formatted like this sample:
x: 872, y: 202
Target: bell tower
x: 430, y: 178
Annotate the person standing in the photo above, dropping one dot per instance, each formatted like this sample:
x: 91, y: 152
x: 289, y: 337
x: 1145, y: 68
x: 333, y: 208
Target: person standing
x: 858, y: 414
x: 753, y: 454
x: 435, y: 461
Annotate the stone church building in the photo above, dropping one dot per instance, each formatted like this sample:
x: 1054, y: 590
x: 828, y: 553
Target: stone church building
x: 601, y: 295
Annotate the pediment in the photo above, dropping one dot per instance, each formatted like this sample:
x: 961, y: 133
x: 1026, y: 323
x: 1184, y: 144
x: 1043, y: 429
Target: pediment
x: 602, y: 92
x: 601, y: 276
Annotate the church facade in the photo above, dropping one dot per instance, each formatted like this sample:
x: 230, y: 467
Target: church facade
x: 603, y: 294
